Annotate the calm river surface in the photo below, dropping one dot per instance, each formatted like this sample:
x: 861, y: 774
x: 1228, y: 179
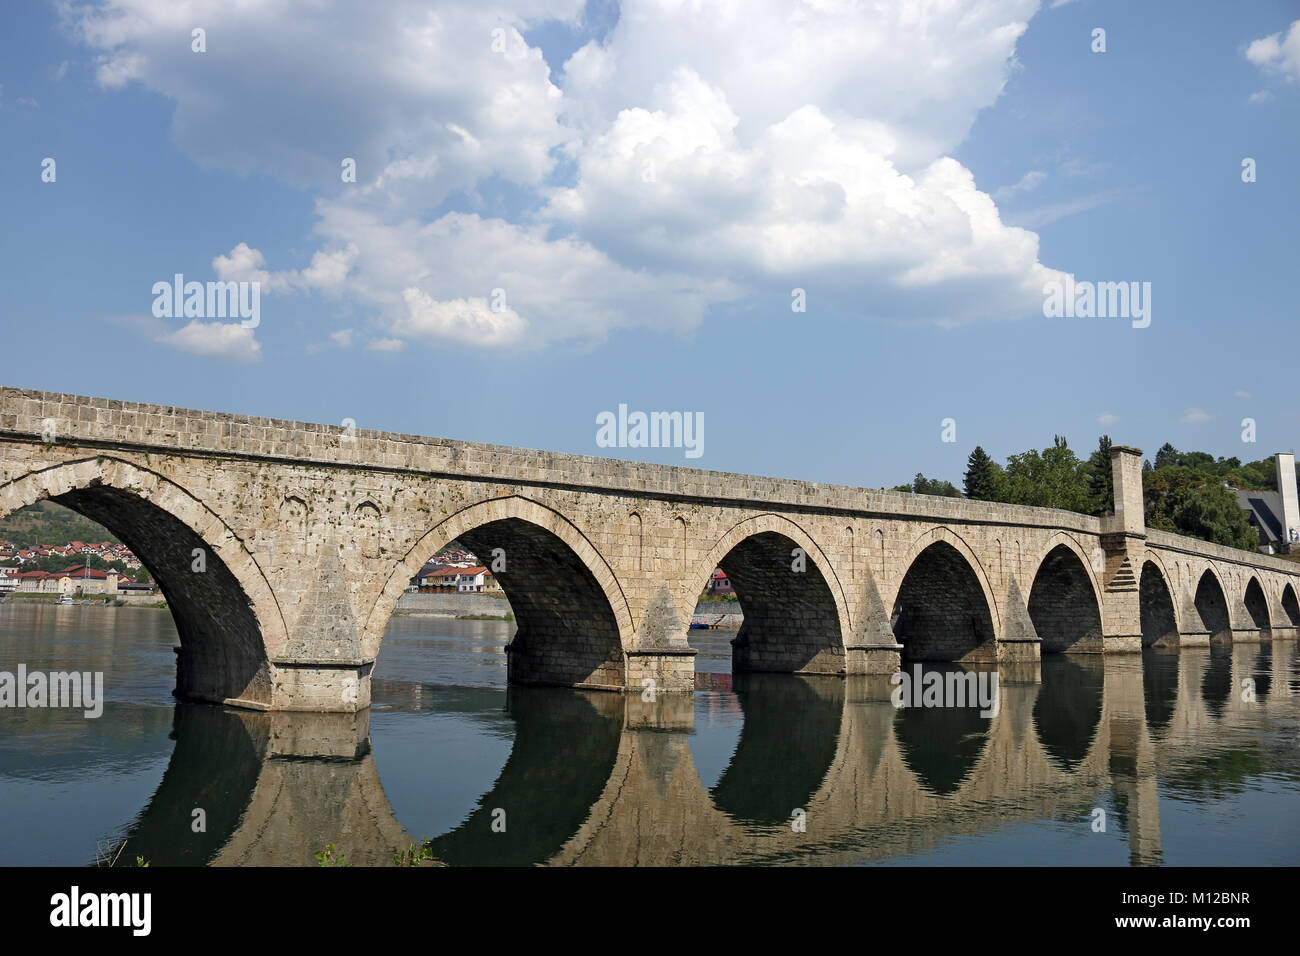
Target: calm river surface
x: 1136, y: 759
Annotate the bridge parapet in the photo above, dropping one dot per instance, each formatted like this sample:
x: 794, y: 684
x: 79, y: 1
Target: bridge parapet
x: 163, y: 429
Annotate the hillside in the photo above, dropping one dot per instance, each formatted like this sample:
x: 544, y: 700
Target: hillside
x: 48, y: 524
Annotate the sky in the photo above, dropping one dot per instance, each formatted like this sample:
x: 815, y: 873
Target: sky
x: 827, y: 229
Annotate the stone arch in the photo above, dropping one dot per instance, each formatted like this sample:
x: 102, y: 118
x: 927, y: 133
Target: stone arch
x: 1211, y: 604
x: 367, y: 525
x: 1065, y: 602
x: 851, y: 553
x: 1290, y: 606
x: 1157, y: 609
x: 227, y: 617
x: 291, y: 527
x: 943, y: 607
x: 638, y: 541
x: 1256, y: 605
x: 793, y: 621
x: 574, y: 624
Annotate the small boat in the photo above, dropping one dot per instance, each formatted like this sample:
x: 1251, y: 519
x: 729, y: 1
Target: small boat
x: 707, y: 625
x: 66, y: 599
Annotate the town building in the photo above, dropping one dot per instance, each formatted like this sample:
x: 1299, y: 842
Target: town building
x: 1275, y: 514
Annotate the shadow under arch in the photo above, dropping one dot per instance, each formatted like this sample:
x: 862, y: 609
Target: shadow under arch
x: 226, y: 615
x: 1257, y: 606
x: 1064, y: 604
x: 943, y: 611
x: 1212, y: 606
x: 794, y: 612
x: 1156, y: 611
x: 573, y: 621
x: 941, y: 745
x: 1290, y: 606
x: 787, y: 743
x: 565, y: 747
x: 1067, y: 710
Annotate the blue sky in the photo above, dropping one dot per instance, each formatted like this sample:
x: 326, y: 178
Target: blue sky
x: 647, y: 189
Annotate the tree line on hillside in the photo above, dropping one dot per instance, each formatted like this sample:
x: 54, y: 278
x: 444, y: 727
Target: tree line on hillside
x: 1184, y: 492
x: 48, y: 525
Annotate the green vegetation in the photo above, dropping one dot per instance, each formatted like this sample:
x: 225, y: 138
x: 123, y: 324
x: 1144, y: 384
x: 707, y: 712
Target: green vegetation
x: 327, y: 857
x: 1185, y: 492
x: 982, y: 476
x: 413, y: 855
x: 922, y: 485
x: 1196, y: 504
x: 46, y: 524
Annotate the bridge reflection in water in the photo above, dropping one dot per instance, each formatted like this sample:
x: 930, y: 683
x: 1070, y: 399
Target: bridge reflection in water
x: 606, y: 779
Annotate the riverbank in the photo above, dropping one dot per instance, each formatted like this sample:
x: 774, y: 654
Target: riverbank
x: 91, y: 600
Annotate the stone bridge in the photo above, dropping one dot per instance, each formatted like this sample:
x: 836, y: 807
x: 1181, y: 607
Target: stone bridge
x: 282, y: 548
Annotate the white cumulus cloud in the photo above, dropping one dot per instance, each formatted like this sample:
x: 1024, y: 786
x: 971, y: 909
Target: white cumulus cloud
x: 695, y: 155
x: 1278, y: 54
x: 214, y: 340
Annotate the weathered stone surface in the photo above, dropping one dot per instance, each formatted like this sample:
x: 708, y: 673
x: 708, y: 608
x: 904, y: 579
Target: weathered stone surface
x: 309, y: 534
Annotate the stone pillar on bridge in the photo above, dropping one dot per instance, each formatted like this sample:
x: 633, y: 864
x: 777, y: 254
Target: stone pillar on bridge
x: 323, y: 668
x: 661, y: 660
x: 1123, y: 542
x: 872, y: 647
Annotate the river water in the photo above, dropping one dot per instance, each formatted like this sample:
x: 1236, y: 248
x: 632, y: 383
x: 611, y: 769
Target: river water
x: 1168, y: 757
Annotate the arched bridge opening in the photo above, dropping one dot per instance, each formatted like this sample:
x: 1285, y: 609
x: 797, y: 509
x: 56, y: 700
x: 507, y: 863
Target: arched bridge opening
x: 1290, y: 606
x: 1063, y: 604
x: 791, y: 623
x: 223, y: 653
x: 1212, y: 606
x: 1159, y: 623
x: 1257, y: 606
x: 941, y: 613
x: 566, y: 633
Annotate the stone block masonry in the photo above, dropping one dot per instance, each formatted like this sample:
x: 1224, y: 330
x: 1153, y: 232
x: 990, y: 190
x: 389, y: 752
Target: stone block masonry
x: 309, y: 535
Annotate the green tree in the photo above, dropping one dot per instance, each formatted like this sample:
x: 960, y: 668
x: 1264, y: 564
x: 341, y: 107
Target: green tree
x: 1166, y: 457
x: 1051, y: 479
x: 922, y: 485
x: 1101, y: 481
x: 982, y: 474
x: 1211, y: 512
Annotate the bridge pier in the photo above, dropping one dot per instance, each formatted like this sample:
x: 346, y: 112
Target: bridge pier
x: 863, y: 659
x: 1123, y: 541
x: 667, y: 670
